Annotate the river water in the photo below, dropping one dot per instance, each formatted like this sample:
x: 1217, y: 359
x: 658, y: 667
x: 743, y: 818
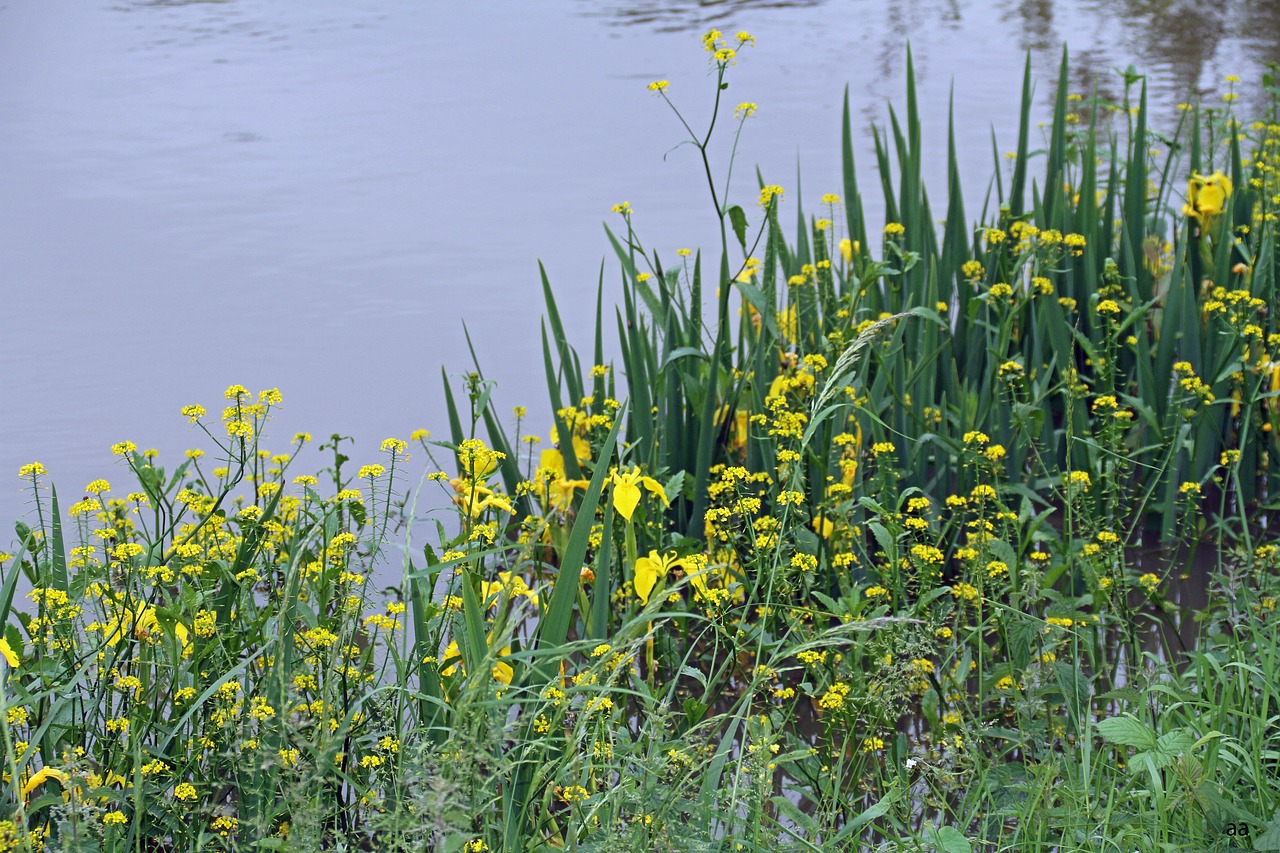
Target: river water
x: 315, y: 195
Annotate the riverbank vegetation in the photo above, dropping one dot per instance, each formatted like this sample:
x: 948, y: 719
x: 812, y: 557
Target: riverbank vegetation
x: 861, y: 535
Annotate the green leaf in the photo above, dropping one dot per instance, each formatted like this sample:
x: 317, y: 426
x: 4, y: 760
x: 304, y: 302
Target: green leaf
x: 763, y: 304
x: 951, y: 840
x: 1127, y: 730
x: 682, y: 352
x: 875, y: 810
x: 1168, y: 748
x: 15, y: 571
x: 803, y: 822
x: 1074, y: 687
x: 1021, y: 634
x: 1269, y: 838
x: 59, y: 552
x: 694, y: 711
x: 739, y: 222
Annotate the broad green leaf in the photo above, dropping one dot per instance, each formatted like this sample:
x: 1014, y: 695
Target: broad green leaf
x: 1127, y: 730
x: 951, y: 840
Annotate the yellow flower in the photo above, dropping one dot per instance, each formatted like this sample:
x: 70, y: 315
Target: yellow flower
x: 501, y: 671
x: 556, y: 489
x: 512, y: 583
x: 1206, y: 196
x: 626, y: 491
x: 476, y: 497
x: 650, y: 569
x: 141, y: 622
x: 846, y: 250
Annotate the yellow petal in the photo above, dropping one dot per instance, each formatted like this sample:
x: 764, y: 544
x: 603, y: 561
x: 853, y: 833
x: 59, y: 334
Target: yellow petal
x: 113, y: 632
x: 646, y: 575
x: 451, y: 652
x: 496, y: 502
x: 552, y: 460
x: 626, y: 497
x: 562, y: 492
x: 517, y: 586
x: 699, y: 582
x: 656, y: 488
x: 9, y: 655
x: 503, y: 671
x: 184, y: 636
x: 40, y: 777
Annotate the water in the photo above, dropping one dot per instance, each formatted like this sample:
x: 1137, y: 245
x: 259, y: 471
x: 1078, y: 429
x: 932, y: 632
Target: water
x: 313, y: 196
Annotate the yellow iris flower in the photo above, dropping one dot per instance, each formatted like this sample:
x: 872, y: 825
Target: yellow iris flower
x: 738, y: 434
x: 649, y: 570
x: 581, y: 447
x: 720, y: 575
x: 626, y: 491
x: 1207, y: 196
x: 491, y: 591
x: 476, y: 497
x: 141, y: 623
x: 502, y: 672
x: 557, y: 490
x: 802, y: 382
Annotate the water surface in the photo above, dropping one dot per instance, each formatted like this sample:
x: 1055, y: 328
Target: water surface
x: 313, y: 196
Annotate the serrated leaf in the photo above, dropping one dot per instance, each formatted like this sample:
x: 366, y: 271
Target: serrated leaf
x: 883, y: 538
x: 696, y: 675
x: 1021, y: 634
x: 1174, y: 744
x: 1127, y: 730
x: 1269, y: 838
x: 694, y: 711
x: 1074, y: 687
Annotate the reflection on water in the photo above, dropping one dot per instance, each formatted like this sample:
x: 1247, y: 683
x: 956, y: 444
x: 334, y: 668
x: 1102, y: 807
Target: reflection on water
x: 1182, y: 45
x: 690, y: 15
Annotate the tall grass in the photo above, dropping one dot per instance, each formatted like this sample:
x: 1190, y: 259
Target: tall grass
x: 856, y: 565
